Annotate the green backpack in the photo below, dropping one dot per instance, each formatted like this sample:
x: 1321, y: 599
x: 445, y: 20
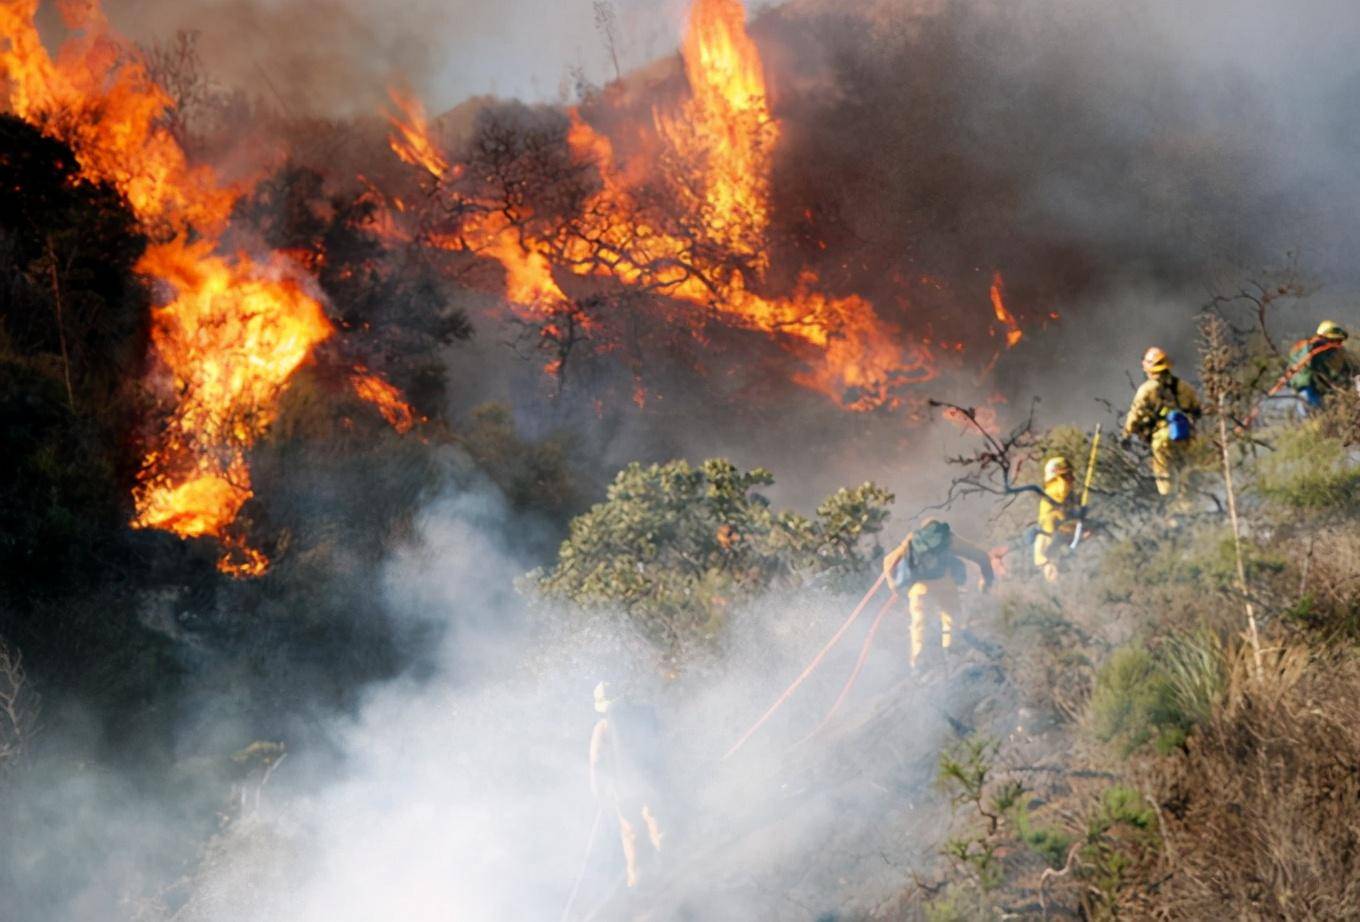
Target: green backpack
x: 1304, y: 359
x: 928, y: 555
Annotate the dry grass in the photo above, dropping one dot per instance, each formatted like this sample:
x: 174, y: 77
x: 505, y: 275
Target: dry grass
x: 1262, y: 811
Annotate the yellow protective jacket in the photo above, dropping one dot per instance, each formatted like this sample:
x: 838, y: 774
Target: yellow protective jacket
x: 964, y: 550
x: 1154, y: 399
x: 1057, y: 508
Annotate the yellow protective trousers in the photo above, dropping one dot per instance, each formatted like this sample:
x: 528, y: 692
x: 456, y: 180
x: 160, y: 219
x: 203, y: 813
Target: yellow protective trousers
x: 1168, y: 462
x: 629, y: 815
x: 1044, y: 556
x: 931, y: 598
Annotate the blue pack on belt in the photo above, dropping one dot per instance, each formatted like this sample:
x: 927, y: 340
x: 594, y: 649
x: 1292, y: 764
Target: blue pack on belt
x: 902, y: 572
x: 1178, y: 426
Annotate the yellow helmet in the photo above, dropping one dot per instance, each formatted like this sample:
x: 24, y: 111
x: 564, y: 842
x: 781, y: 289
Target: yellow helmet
x: 1332, y: 330
x: 1156, y: 361
x: 1056, y: 467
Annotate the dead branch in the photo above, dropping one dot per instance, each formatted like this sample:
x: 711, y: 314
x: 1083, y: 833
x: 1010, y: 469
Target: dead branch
x: 19, y: 706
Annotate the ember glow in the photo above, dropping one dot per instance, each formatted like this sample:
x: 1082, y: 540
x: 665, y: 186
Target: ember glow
x: 232, y: 331
x: 722, y: 139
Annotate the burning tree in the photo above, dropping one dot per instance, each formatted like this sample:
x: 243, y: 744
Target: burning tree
x: 683, y: 214
x: 231, y: 331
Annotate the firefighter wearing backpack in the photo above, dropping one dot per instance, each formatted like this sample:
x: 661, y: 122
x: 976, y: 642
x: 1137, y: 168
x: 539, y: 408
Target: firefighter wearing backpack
x: 1163, y: 415
x: 1058, y: 516
x: 1320, y: 365
x: 626, y: 771
x: 929, y: 566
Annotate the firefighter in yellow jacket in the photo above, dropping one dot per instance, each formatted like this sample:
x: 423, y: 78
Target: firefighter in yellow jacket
x: 1058, y: 516
x: 1163, y: 415
x: 929, y: 565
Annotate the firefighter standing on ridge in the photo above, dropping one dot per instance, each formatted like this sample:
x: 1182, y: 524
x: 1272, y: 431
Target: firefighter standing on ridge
x: 626, y: 771
x: 1320, y: 365
x: 1058, y: 516
x: 929, y: 563
x: 1163, y: 415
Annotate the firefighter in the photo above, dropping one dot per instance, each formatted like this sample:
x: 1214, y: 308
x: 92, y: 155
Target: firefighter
x: 1058, y: 516
x: 1163, y: 415
x: 626, y: 771
x: 1320, y: 365
x: 929, y: 564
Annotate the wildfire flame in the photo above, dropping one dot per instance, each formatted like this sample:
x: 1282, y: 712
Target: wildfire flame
x: 384, y: 396
x: 725, y: 129
x: 411, y: 138
x: 233, y: 331
x: 724, y: 135
x: 1013, y: 332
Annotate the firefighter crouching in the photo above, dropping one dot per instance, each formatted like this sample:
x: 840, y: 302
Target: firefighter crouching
x: 929, y: 565
x: 1320, y: 366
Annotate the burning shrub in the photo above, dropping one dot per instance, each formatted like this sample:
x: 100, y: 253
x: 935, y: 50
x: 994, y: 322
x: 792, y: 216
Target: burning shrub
x: 677, y: 548
x: 392, y: 306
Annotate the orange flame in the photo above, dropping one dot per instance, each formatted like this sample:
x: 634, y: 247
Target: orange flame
x: 230, y: 338
x: 1013, y: 332
x: 233, y: 331
x: 412, y: 142
x: 725, y: 130
x: 386, y: 397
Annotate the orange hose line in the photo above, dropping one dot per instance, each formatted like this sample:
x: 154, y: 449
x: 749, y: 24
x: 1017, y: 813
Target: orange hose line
x: 859, y: 664
x: 816, y: 661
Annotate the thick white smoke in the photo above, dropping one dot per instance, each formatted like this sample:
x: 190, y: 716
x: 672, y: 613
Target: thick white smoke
x: 464, y: 794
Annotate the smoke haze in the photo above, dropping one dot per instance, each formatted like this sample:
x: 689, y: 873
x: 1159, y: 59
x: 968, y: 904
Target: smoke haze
x: 336, y: 57
x: 1117, y: 161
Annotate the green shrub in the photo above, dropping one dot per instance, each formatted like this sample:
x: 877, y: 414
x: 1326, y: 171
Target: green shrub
x: 1121, y: 837
x: 1308, y: 470
x: 1050, y: 843
x: 1133, y: 704
x: 676, y: 547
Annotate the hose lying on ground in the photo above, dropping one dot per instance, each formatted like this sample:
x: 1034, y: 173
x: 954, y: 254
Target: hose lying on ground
x: 859, y: 664
x: 816, y: 661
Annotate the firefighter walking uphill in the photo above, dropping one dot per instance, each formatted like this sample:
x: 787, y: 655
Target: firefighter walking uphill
x: 1163, y: 415
x: 929, y: 565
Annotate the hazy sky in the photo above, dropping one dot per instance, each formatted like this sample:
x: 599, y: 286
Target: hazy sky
x: 338, y: 55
